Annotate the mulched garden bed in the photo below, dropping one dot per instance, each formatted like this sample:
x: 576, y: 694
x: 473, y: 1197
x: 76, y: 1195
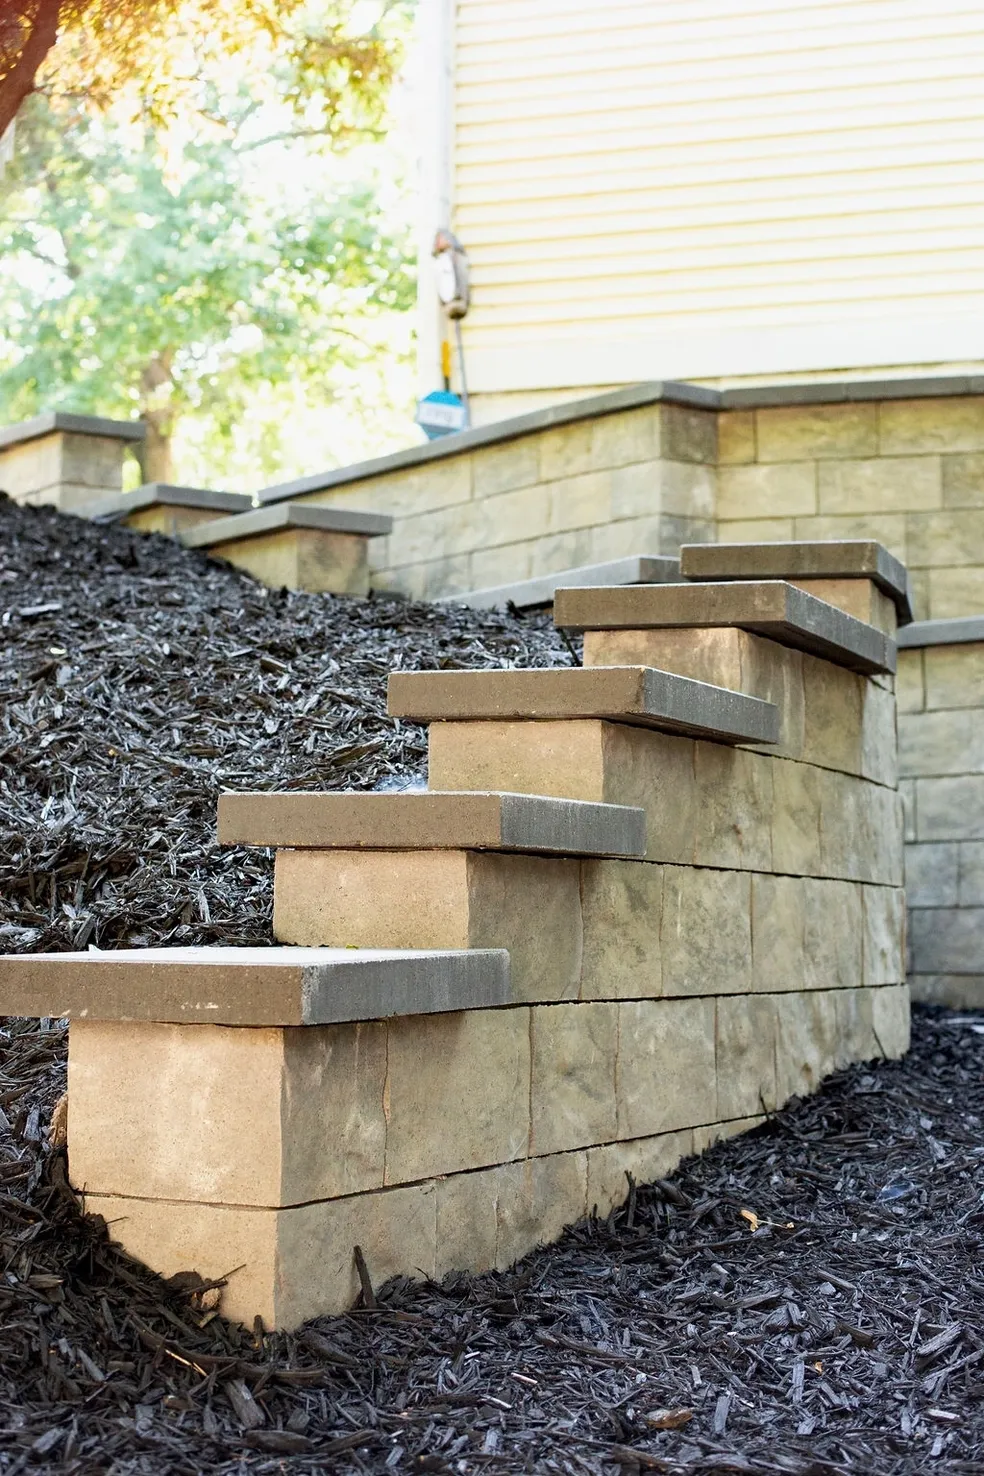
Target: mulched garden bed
x: 805, y: 1299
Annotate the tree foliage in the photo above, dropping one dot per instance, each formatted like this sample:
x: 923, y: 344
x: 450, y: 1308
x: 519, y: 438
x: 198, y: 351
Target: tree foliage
x: 131, y: 283
x: 161, y: 50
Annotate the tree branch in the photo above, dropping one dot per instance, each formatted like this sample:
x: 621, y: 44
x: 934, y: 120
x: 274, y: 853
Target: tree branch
x: 19, y: 81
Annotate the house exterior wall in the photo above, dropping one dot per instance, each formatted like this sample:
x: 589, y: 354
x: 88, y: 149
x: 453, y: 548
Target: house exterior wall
x: 712, y: 192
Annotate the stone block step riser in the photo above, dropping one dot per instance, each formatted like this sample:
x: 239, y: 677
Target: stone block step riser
x: 829, y: 716
x: 493, y: 1214
x: 602, y: 929
x: 706, y: 804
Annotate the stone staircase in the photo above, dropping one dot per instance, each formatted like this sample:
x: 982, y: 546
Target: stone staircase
x: 640, y: 905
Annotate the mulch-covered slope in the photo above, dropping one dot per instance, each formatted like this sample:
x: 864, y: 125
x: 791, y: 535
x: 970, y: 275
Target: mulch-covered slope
x: 805, y: 1299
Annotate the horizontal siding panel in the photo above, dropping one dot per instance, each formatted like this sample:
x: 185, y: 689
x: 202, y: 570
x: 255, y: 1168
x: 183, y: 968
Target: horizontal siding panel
x: 709, y: 181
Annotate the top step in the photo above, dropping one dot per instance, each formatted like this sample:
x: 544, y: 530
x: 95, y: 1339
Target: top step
x: 855, y: 558
x: 252, y: 986
x: 770, y: 608
x: 534, y: 594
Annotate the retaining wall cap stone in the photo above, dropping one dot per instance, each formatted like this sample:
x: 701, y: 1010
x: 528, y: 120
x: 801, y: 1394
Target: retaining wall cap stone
x: 962, y: 630
x: 290, y: 515
x: 432, y: 820
x: 162, y: 494
x: 640, y: 696
x: 859, y: 558
x: 55, y: 421
x: 529, y: 594
x: 252, y: 986
x: 770, y: 608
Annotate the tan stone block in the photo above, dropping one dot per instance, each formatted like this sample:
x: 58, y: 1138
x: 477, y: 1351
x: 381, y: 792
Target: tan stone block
x: 405, y: 493
x: 302, y: 558
x: 585, y: 759
x: 956, y: 991
x: 745, y: 1055
x: 644, y: 1160
x: 890, y: 1019
x: 963, y: 480
x: 804, y: 432
x: 573, y: 1093
x: 888, y: 528
x: 467, y: 1221
x: 910, y: 682
x: 796, y: 831
x: 688, y: 434
x: 971, y: 875
x: 886, y: 485
x: 784, y: 489
x: 439, y: 899
x: 843, y: 827
x: 721, y: 1132
x: 734, y: 807
x: 777, y: 933
x: 907, y: 794
x: 31, y: 467
x: 907, y: 426
x: 953, y: 592
x: 577, y: 502
x: 705, y: 939
x: 879, y: 739
x: 663, y: 533
x: 681, y: 488
x: 556, y: 551
x: 948, y: 742
x: 491, y: 567
x: 954, y: 675
x: 538, y: 1199
x: 93, y: 461
x: 832, y: 934
x: 806, y: 1042
x: 946, y: 540
x: 505, y: 466
x: 665, y: 1075
x: 858, y: 597
x: 834, y: 704
x: 457, y: 1092
x: 919, y: 593
x: 755, y: 530
x: 884, y: 935
x: 597, y: 443
x: 168, y: 519
x: 933, y: 876
x: 284, y: 1266
x: 883, y: 835
x: 855, y: 1027
x: 621, y: 907
x: 161, y: 1111
x: 736, y: 437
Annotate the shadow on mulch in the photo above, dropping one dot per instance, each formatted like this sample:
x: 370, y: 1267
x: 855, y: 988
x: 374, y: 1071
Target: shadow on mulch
x: 843, y: 1333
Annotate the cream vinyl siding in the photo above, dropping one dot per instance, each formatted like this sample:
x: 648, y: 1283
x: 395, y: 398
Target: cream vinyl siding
x: 670, y: 188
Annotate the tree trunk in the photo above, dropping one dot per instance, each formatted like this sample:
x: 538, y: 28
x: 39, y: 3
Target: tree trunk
x: 159, y: 415
x: 18, y: 83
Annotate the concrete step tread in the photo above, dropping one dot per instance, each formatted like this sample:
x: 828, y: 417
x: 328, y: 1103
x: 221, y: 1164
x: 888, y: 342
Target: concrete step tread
x: 162, y: 494
x: 252, y: 986
x: 260, y: 520
x: 959, y: 630
x: 531, y: 594
x: 770, y: 608
x: 639, y: 695
x: 432, y: 820
x: 849, y: 558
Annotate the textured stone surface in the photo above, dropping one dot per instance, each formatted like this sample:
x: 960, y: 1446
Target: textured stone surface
x: 250, y: 986
x: 296, y: 558
x: 263, y: 520
x: 806, y: 1042
x: 457, y: 821
x: 705, y: 937
x: 575, y: 1049
x: 884, y: 934
x: 340, y: 899
x: 745, y: 1053
x: 782, y: 490
x: 457, y: 1092
x: 778, y: 934
x: 770, y: 607
x: 162, y: 1111
x: 637, y: 695
x: 163, y: 495
x: 621, y: 910
x: 644, y: 1159
x: 833, y: 945
x: 734, y: 809
x: 932, y: 874
x: 947, y: 940
x: 666, y: 1080
x: 948, y: 808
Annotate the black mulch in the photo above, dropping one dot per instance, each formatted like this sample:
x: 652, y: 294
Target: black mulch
x: 805, y: 1299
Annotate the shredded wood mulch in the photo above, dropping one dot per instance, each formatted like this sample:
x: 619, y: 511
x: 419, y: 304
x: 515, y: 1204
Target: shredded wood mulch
x: 805, y: 1299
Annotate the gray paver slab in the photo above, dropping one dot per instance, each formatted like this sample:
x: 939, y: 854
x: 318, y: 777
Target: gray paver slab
x: 855, y: 558
x: 287, y: 515
x: 963, y: 630
x: 637, y: 695
x: 252, y: 986
x: 770, y: 608
x: 429, y: 820
x: 531, y: 594
x: 162, y: 494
